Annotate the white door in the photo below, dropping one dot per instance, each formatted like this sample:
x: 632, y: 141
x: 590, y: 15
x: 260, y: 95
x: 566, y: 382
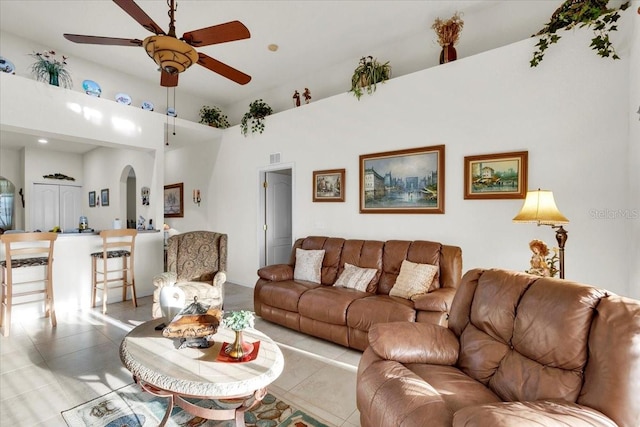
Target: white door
x: 70, y: 206
x: 55, y: 205
x: 45, y: 207
x: 278, y: 217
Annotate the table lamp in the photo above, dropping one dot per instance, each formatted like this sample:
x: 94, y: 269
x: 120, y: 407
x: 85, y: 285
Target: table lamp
x: 540, y: 207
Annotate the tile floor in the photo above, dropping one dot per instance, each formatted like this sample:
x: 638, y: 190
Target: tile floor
x: 45, y: 370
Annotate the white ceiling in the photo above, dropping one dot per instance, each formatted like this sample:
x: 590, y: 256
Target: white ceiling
x: 320, y: 42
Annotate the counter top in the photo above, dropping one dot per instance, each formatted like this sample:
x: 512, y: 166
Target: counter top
x: 97, y: 232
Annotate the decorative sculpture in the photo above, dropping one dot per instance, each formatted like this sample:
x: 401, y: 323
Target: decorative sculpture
x: 296, y: 99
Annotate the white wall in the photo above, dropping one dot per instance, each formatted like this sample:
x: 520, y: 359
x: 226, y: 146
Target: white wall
x: 570, y: 114
x: 111, y: 81
x: 634, y: 157
x: 104, y: 168
x: 192, y: 166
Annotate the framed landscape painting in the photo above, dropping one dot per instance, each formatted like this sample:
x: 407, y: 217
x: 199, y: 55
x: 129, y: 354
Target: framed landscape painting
x: 328, y: 185
x: 174, y: 200
x: 403, y: 181
x: 496, y: 176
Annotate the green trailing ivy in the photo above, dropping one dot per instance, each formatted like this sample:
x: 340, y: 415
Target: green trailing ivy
x: 582, y: 13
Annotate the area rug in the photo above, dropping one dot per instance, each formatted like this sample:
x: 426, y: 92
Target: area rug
x: 132, y: 407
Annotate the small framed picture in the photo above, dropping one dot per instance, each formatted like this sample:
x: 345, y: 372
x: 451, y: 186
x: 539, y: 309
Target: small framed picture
x: 104, y: 197
x: 174, y: 201
x: 328, y: 185
x: 92, y: 199
x: 496, y: 176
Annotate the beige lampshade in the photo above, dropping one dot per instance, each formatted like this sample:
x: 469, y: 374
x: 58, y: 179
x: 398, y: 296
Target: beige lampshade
x: 540, y: 207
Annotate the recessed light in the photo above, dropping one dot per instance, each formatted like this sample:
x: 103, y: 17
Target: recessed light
x: 42, y: 141
x: 272, y: 47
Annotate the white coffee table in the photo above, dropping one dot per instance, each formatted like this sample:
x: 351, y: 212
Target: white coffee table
x: 161, y: 369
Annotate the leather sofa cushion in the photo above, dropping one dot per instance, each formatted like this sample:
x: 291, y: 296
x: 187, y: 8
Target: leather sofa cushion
x: 612, y: 374
x: 396, y: 251
x: 408, y: 395
x: 364, y: 254
x: 530, y: 414
x: 409, y: 342
x: 328, y: 304
x: 366, y: 312
x: 286, y: 294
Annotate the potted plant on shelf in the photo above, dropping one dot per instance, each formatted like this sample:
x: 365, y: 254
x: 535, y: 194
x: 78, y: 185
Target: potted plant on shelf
x: 213, y: 116
x: 368, y: 74
x: 238, y: 321
x: 448, y: 33
x: 581, y: 13
x: 258, y: 110
x: 48, y: 68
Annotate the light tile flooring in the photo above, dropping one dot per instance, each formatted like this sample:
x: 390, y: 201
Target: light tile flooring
x: 45, y: 370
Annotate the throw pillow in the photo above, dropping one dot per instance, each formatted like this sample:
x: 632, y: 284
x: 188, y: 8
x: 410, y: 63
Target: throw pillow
x: 413, y: 280
x: 308, y: 265
x: 355, y: 277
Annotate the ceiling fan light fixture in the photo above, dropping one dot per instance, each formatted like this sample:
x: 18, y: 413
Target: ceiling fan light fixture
x: 172, y: 55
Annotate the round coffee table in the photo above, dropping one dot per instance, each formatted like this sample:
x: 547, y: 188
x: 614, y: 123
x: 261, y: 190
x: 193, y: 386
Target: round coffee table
x: 162, y: 369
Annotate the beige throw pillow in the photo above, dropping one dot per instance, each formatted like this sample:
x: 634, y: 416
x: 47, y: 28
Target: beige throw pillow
x: 413, y: 280
x: 355, y: 277
x: 308, y: 265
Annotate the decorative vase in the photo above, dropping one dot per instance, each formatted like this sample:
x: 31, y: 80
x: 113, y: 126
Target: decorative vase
x: 239, y: 348
x: 53, y: 78
x: 172, y: 301
x: 448, y: 54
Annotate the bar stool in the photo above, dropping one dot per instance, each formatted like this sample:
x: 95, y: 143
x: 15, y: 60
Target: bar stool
x: 115, y: 244
x: 26, y: 250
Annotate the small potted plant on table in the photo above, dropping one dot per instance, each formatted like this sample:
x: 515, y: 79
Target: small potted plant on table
x: 238, y: 321
x: 213, y: 116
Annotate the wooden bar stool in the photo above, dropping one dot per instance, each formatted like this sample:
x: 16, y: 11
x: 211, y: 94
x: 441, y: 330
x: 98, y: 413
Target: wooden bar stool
x: 26, y: 250
x: 115, y: 244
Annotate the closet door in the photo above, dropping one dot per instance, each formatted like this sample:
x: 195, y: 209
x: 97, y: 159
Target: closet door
x: 55, y: 205
x: 45, y: 207
x: 70, y: 206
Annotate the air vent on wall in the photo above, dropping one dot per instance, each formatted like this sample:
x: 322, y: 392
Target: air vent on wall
x: 274, y: 158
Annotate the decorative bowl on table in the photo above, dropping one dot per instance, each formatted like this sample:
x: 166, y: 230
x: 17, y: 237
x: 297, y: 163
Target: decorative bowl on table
x: 193, y: 325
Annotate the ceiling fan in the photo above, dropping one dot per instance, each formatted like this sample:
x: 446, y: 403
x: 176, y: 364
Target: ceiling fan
x: 172, y: 54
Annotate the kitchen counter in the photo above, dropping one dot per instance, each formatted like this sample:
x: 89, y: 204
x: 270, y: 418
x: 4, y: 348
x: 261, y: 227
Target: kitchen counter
x: 72, y: 270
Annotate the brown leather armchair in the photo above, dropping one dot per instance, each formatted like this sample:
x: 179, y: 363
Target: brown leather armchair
x: 197, y: 264
x: 519, y: 350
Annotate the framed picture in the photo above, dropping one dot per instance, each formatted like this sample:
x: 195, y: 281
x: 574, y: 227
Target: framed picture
x: 104, y: 197
x: 496, y: 176
x: 404, y: 181
x: 174, y: 201
x: 92, y: 199
x: 328, y: 186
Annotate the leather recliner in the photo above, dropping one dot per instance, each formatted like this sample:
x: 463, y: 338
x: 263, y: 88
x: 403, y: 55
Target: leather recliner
x: 519, y: 350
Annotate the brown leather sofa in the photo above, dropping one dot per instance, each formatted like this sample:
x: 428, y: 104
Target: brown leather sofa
x: 344, y: 315
x: 519, y: 350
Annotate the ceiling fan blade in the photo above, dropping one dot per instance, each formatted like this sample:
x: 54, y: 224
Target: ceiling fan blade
x: 78, y: 38
x: 223, y: 69
x: 168, y: 80
x: 139, y: 15
x: 227, y: 32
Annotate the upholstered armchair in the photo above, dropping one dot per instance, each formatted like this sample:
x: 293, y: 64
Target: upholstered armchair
x: 197, y: 264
